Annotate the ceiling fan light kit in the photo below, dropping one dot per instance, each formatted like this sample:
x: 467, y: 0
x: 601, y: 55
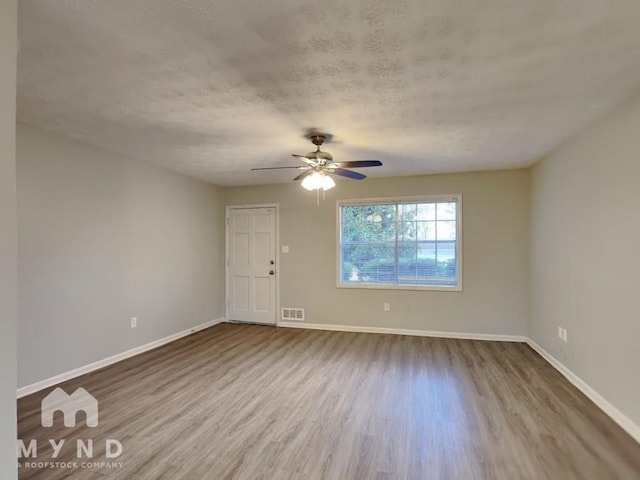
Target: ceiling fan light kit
x: 317, y: 181
x: 319, y: 166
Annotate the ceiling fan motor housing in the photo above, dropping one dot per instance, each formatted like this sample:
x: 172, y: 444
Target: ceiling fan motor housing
x: 317, y: 139
x: 320, y: 156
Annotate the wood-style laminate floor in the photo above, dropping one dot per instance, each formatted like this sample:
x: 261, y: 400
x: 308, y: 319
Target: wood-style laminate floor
x: 253, y: 402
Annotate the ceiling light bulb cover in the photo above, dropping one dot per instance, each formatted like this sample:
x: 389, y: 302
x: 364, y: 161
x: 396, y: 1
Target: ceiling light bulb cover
x: 327, y: 183
x: 317, y: 181
x: 313, y: 181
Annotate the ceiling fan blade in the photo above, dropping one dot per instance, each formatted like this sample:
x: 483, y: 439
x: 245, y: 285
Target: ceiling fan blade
x: 277, y: 168
x: 305, y: 160
x: 358, y: 164
x: 304, y: 174
x: 346, y: 173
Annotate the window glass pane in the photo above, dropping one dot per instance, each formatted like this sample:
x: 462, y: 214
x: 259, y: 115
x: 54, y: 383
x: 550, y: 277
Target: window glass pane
x: 407, y: 231
x: 407, y: 262
x: 447, y: 259
x: 407, y: 211
x: 420, y: 248
x: 407, y: 251
x: 426, y: 230
x: 377, y: 266
x: 426, y: 211
x: 446, y: 210
x: 368, y: 223
x: 427, y: 250
x: 446, y: 251
x: 368, y: 234
x: 368, y: 262
x: 446, y: 230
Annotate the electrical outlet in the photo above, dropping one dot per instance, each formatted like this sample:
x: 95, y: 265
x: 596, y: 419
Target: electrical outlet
x: 285, y: 249
x: 386, y: 306
x: 134, y: 322
x: 564, y: 334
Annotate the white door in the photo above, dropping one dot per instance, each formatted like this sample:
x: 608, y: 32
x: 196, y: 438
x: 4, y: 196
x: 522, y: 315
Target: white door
x: 251, y: 278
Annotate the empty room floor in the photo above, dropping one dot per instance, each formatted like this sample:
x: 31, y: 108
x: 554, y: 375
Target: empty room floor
x: 250, y: 402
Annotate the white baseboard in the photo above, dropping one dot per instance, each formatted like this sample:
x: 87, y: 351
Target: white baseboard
x: 616, y: 415
x: 402, y: 331
x: 63, y: 377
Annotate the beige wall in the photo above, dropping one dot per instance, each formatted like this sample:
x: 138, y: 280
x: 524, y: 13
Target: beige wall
x: 8, y: 284
x: 102, y: 239
x: 585, y: 258
x: 495, y: 232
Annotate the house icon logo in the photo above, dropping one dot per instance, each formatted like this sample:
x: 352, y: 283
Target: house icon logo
x: 69, y: 405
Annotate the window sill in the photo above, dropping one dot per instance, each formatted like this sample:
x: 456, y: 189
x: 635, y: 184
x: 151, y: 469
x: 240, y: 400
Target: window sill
x: 374, y: 286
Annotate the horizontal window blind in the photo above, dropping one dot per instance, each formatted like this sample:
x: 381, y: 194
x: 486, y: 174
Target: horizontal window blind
x: 411, y: 243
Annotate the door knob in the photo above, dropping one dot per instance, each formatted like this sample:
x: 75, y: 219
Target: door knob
x: 271, y: 272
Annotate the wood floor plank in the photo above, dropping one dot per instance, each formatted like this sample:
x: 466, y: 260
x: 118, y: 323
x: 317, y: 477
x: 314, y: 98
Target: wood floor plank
x: 252, y: 402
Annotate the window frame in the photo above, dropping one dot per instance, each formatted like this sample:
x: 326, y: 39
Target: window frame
x: 397, y: 200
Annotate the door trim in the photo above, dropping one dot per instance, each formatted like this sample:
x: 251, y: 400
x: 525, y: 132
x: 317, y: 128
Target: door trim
x: 227, y: 209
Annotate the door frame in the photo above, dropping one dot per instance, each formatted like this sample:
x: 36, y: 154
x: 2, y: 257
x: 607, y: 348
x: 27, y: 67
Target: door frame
x: 227, y: 210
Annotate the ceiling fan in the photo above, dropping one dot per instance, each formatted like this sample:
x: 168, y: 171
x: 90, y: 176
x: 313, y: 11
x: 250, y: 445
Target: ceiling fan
x: 319, y: 164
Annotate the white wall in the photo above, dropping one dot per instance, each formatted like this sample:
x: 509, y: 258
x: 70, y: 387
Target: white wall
x: 101, y: 239
x: 8, y: 284
x: 585, y: 256
x: 495, y: 266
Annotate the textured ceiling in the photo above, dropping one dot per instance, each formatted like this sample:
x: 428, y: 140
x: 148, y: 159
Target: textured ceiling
x: 212, y: 88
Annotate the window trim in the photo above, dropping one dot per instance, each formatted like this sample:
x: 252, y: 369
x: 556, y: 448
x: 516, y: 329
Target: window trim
x: 385, y: 200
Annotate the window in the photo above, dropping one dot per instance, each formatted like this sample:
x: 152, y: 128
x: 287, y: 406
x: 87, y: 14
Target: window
x: 404, y: 243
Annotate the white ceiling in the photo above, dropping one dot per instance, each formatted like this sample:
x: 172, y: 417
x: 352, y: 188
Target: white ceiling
x: 213, y: 88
